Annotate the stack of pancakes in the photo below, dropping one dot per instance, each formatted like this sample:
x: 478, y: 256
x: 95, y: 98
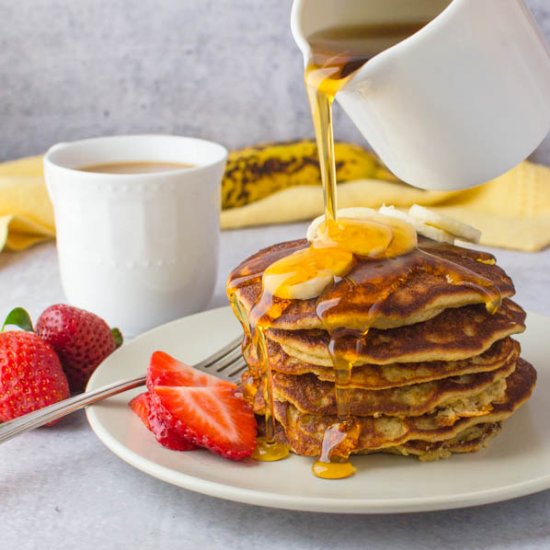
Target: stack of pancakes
x: 436, y: 372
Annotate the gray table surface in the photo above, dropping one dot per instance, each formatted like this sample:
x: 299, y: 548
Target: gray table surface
x: 60, y: 488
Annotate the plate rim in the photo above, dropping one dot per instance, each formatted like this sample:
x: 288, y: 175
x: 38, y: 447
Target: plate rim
x: 302, y: 503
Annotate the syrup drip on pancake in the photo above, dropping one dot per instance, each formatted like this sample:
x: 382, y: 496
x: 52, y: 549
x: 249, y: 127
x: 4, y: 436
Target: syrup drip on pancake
x: 486, y: 261
x: 255, y: 325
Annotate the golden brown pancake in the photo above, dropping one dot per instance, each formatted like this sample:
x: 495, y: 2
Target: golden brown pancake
x: 470, y: 440
x: 453, y: 335
x: 304, y: 432
x: 381, y: 377
x: 420, y: 284
x: 451, y: 399
x: 310, y: 395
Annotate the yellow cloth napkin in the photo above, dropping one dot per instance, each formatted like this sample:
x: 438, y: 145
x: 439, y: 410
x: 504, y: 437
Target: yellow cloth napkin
x: 512, y: 211
x: 26, y: 214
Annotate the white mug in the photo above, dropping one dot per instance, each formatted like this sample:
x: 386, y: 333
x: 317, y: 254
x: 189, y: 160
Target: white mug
x: 137, y: 249
x: 458, y: 103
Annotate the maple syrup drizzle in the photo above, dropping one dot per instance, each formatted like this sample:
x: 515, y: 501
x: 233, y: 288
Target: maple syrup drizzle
x: 460, y: 275
x: 486, y: 261
x: 328, y: 466
x: 336, y: 55
x: 268, y: 449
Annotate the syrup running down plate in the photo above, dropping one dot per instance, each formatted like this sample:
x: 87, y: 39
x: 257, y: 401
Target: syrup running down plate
x: 516, y: 463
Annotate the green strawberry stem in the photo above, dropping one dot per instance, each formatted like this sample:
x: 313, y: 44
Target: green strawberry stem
x: 19, y: 318
x: 117, y: 337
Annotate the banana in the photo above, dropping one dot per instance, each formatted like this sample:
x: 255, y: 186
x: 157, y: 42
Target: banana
x: 304, y: 290
x: 256, y: 172
x: 367, y: 232
x: 306, y: 273
x: 450, y: 225
x: 433, y: 225
x: 358, y: 213
x: 421, y: 228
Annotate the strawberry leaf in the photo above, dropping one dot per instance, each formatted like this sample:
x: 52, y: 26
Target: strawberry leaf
x: 117, y: 337
x: 19, y: 318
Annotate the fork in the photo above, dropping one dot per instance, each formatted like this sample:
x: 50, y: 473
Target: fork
x: 226, y: 363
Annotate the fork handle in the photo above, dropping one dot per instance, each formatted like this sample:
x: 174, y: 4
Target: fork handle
x: 62, y: 408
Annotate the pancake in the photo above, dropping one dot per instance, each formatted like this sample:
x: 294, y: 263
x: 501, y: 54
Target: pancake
x: 420, y: 285
x: 310, y: 395
x: 453, y: 335
x: 304, y: 432
x: 470, y: 440
x: 450, y: 399
x: 380, y: 377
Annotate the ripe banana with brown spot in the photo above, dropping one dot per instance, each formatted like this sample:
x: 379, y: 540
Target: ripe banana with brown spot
x: 257, y: 172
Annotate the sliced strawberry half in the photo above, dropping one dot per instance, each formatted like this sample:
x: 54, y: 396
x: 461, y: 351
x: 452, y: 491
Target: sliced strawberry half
x: 150, y: 412
x: 165, y: 370
x: 162, y: 426
x: 215, y: 417
x: 141, y: 405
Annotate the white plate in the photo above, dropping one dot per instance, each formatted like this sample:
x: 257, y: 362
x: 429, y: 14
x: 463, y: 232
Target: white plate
x: 516, y: 463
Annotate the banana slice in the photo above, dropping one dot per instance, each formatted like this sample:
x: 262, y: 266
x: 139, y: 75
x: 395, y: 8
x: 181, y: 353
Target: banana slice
x: 358, y: 236
x: 434, y: 233
x: 365, y: 232
x: 422, y: 228
x: 395, y: 213
x: 445, y: 223
x: 280, y: 286
x: 356, y: 213
x: 306, y: 273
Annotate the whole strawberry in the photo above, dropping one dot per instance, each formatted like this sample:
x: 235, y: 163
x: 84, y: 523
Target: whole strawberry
x: 81, y: 340
x: 31, y: 376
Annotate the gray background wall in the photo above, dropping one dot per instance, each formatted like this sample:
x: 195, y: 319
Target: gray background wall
x: 221, y: 69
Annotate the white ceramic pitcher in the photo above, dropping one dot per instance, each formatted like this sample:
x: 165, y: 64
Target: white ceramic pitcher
x: 458, y: 103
